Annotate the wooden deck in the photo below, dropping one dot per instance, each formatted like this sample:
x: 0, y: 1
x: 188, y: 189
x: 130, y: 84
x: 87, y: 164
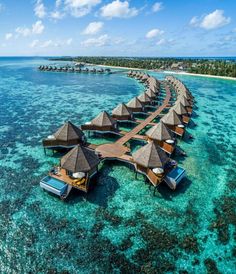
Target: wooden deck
x: 79, y: 184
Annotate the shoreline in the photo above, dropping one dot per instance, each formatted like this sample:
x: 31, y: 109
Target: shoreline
x: 172, y: 72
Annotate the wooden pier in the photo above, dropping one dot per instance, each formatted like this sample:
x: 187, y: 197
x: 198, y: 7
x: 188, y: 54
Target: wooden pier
x: 118, y: 150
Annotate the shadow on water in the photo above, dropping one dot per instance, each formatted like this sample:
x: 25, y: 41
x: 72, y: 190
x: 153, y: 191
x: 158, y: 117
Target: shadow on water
x: 102, y: 188
x: 188, y: 138
x: 168, y: 194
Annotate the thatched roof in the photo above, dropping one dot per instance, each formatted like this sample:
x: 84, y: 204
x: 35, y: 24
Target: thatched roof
x: 184, y: 101
x: 79, y: 159
x: 103, y: 119
x: 151, y: 156
x: 68, y: 132
x: 171, y: 118
x: 179, y: 108
x: 145, y: 77
x: 121, y: 110
x: 187, y: 94
x: 160, y: 132
x: 144, y: 98
x: 150, y: 93
x: 134, y: 103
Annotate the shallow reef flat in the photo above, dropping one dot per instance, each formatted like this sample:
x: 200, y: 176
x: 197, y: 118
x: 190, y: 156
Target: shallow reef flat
x: 119, y: 226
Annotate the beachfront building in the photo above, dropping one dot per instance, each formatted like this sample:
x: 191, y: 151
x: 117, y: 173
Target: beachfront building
x: 67, y: 136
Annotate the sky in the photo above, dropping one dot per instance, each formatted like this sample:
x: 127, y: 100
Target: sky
x: 118, y: 28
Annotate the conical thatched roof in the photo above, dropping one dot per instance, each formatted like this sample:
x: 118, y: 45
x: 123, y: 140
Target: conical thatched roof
x: 121, y: 110
x: 134, y: 103
x: 103, y: 119
x: 160, y: 132
x: 179, y: 108
x: 68, y: 132
x: 184, y: 101
x: 79, y: 159
x: 187, y: 94
x: 144, y: 98
x: 171, y: 118
x: 150, y: 93
x: 145, y: 77
x: 151, y: 156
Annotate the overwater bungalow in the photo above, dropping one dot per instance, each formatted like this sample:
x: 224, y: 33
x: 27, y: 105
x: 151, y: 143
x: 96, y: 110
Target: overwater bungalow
x: 93, y: 70
x: 67, y: 136
x: 75, y: 171
x: 188, y: 105
x: 130, y: 73
x: 103, y: 122
x: 182, y: 111
x: 151, y: 94
x: 151, y: 161
x: 144, y: 78
x: 173, y: 122
x: 163, y: 136
x: 135, y: 105
x: 122, y: 113
x: 145, y: 99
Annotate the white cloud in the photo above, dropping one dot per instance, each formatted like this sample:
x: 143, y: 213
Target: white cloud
x: 213, y: 20
x: 79, y: 8
x: 153, y: 33
x: 8, y: 36
x: 161, y: 42
x: 39, y: 9
x: 34, y: 43
x: 118, y: 9
x: 23, y: 31
x: 37, y: 28
x: 194, y: 21
x: 157, y: 6
x: 100, y: 41
x: 57, y: 15
x: 93, y: 28
x: 50, y: 43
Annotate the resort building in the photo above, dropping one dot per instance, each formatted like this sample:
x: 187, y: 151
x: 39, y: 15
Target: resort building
x: 122, y: 112
x: 135, y: 105
x: 66, y: 136
x: 103, y: 122
x: 75, y: 171
x: 162, y: 135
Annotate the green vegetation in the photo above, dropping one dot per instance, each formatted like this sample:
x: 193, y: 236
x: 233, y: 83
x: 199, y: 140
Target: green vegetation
x: 198, y: 66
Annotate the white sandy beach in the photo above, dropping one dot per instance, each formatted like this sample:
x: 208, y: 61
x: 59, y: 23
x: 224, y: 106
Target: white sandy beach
x: 173, y: 72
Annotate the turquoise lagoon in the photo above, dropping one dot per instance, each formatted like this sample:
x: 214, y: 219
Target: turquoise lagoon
x: 119, y: 227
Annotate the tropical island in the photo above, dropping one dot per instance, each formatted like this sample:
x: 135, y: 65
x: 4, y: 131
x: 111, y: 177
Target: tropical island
x: 216, y: 67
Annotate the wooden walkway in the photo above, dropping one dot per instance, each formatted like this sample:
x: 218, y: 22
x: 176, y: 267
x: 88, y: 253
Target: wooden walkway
x: 118, y: 150
x: 145, y: 122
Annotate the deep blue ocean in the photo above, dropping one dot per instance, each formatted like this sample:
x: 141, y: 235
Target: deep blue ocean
x: 119, y: 227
